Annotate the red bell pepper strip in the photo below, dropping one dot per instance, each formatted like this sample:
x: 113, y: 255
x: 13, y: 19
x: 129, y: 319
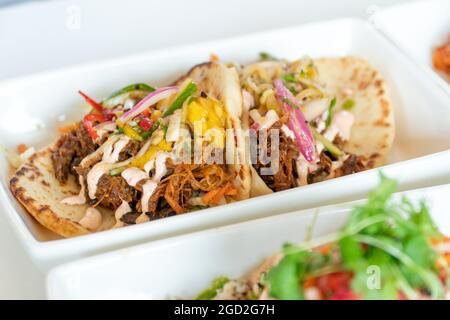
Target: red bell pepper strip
x: 97, y: 106
x: 88, y: 123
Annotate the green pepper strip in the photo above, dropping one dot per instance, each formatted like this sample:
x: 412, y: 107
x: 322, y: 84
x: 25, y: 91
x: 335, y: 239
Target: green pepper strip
x: 132, y: 87
x: 190, y: 88
x: 117, y: 171
x: 326, y: 143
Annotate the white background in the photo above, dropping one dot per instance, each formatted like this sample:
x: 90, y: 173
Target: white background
x: 48, y: 34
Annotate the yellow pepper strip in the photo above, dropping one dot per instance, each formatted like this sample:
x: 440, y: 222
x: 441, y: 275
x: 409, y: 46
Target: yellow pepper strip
x: 131, y: 133
x: 151, y: 153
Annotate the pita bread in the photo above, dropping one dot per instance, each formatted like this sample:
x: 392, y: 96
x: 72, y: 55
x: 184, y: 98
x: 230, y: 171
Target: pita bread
x: 38, y: 190
x: 374, y: 129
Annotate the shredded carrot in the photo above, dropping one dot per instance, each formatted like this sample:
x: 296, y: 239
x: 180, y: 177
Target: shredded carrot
x: 207, y: 198
x: 67, y: 128
x: 310, y: 282
x: 214, y: 196
x: 231, y: 192
x: 221, y: 193
x: 447, y: 258
x: 21, y: 148
x: 214, y: 57
x: 325, y: 249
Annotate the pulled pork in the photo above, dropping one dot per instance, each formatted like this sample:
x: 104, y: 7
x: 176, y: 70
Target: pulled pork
x: 285, y: 175
x: 174, y: 192
x: 112, y: 190
x: 70, y: 149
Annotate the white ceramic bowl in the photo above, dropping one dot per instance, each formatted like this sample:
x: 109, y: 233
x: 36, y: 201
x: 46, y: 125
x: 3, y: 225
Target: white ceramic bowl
x: 419, y: 156
x: 182, y: 267
x: 418, y: 28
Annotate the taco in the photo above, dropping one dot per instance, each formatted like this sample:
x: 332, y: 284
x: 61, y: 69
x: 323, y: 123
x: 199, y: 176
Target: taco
x: 333, y: 118
x: 132, y: 160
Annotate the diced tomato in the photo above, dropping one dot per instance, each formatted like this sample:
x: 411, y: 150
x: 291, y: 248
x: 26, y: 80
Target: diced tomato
x: 334, y: 284
x: 347, y: 295
x: 21, y: 148
x: 145, y: 124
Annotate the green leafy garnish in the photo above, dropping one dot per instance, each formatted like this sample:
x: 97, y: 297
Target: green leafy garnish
x: 266, y: 56
x: 384, y: 245
x: 330, y: 112
x: 211, y: 292
x: 289, y: 77
x: 348, y: 104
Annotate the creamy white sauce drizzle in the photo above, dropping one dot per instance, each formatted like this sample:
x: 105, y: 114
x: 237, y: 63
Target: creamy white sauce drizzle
x: 173, y: 130
x: 247, y: 99
x: 149, y: 166
x: 133, y: 175
x: 160, y: 166
x: 121, y: 210
x: 288, y: 132
x: 343, y: 120
x: 97, y: 154
x: 78, y: 199
x: 94, y: 176
x: 112, y: 152
x: 264, y: 122
x: 92, y: 219
x: 147, y: 191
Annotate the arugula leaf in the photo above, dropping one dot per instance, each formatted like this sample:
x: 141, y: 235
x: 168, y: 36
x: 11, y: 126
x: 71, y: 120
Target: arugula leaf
x: 330, y: 112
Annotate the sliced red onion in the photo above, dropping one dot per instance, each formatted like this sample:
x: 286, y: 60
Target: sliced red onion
x: 148, y: 100
x: 297, y: 122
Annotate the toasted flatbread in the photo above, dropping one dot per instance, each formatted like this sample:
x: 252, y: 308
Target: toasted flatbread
x: 38, y: 190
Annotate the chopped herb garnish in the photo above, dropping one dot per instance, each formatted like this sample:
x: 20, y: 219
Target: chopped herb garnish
x: 330, y: 112
x: 266, y: 56
x: 348, y: 104
x: 387, y: 235
x: 211, y: 292
x: 290, y: 78
x: 119, y: 130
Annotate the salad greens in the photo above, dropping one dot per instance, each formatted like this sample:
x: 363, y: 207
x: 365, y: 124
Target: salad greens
x: 389, y: 237
x: 211, y: 292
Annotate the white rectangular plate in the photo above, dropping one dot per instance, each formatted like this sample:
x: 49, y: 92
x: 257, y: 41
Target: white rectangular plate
x: 418, y: 28
x: 182, y: 267
x: 419, y: 156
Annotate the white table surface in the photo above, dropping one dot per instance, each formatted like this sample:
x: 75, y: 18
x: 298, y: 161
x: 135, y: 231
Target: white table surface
x: 51, y: 34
